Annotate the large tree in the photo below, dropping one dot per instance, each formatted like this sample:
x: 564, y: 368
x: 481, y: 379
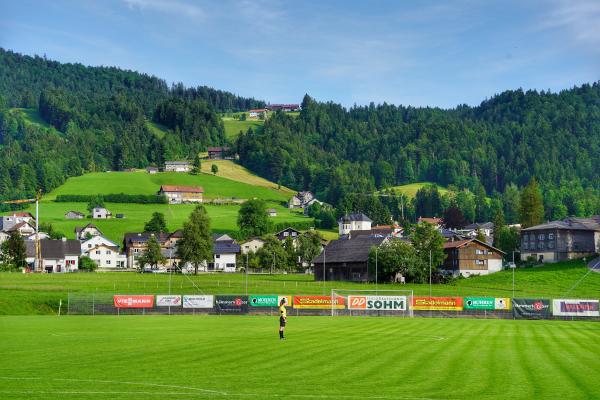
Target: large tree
x: 195, y: 247
x: 397, y: 256
x: 253, y: 219
x: 532, y: 205
x: 454, y: 218
x: 428, y: 243
x: 309, y: 246
x: 14, y: 251
x: 156, y: 224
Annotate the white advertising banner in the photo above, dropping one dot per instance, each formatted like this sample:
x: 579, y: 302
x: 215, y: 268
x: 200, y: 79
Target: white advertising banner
x: 385, y: 303
x: 168, y: 301
x: 575, y: 308
x: 197, y: 301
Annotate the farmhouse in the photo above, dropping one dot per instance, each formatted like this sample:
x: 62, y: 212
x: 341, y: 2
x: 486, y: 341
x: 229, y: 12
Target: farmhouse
x: 56, y: 255
x: 218, y: 153
x: 283, y: 107
x: 354, y: 222
x: 346, y: 259
x: 561, y: 240
x: 182, y: 194
x: 471, y: 257
x: 74, y: 215
x: 272, y: 212
x: 8, y: 221
x: 135, y: 243
x: 287, y: 232
x: 24, y: 228
x: 177, y: 166
x: 257, y: 113
x: 302, y: 200
x: 152, y: 170
x: 83, y: 233
x: 225, y: 251
x: 93, y: 241
x: 101, y: 213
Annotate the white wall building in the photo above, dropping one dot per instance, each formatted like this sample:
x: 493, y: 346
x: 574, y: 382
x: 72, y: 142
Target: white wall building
x: 354, y: 222
x: 107, y: 257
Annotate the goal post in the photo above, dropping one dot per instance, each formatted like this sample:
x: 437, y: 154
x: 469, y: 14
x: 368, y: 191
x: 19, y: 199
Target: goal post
x: 396, y: 303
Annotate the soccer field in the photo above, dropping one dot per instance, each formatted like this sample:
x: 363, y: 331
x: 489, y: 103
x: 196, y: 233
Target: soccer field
x: 197, y: 357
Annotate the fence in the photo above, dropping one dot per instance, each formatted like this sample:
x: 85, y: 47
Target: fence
x: 96, y: 303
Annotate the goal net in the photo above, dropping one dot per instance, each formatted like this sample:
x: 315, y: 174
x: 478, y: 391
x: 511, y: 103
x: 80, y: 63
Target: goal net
x: 396, y: 303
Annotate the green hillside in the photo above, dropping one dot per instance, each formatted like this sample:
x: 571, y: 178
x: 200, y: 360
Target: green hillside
x: 411, y: 189
x: 234, y: 126
x: 157, y: 129
x: 31, y: 116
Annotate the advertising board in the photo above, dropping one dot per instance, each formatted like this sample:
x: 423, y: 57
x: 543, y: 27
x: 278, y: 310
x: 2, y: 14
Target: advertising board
x: 486, y: 303
x: 267, y: 300
x: 437, y: 303
x: 575, y: 308
x: 231, y: 304
x: 385, y: 303
x: 531, y: 308
x: 133, y: 301
x: 168, y: 301
x: 318, y: 302
x: 198, y: 301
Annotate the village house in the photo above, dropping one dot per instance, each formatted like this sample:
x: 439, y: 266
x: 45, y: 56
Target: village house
x: 252, y: 245
x: 177, y: 166
x: 106, y: 257
x: 218, y: 153
x: 34, y: 236
x: 101, y: 213
x: 225, y: 251
x: 8, y: 221
x: 471, y: 257
x: 135, y: 243
x: 84, y: 233
x: 4, y: 236
x: 257, y: 113
x: 74, y: 215
x: 288, y: 232
x: 56, y: 255
x: 436, y: 222
x: 272, y: 212
x: 283, y: 107
x: 96, y: 240
x: 152, y: 170
x: 561, y: 240
x: 24, y: 228
x: 302, y: 200
x: 354, y: 222
x: 346, y: 259
x: 182, y: 194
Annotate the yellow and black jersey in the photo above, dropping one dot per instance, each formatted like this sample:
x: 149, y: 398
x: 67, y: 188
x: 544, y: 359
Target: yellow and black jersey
x: 282, y: 311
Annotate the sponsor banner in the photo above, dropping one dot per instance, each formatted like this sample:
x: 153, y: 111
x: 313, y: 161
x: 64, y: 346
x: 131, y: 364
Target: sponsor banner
x: 437, y: 303
x: 267, y: 301
x: 486, y: 303
x: 133, y: 301
x: 231, y: 304
x: 575, y: 308
x: 197, y: 301
x: 391, y: 303
x: 168, y: 301
x: 531, y: 308
x: 320, y: 302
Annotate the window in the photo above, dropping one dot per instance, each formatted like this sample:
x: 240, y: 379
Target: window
x: 107, y: 251
x: 480, y: 262
x: 98, y: 252
x: 107, y: 261
x: 550, y: 245
x: 217, y: 256
x: 478, y: 251
x: 540, y: 245
x: 293, y: 233
x: 551, y: 236
x: 525, y: 245
x: 89, y: 245
x: 541, y: 236
x: 136, y: 250
x: 285, y: 234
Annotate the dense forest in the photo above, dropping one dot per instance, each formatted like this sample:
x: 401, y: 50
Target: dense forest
x: 485, y: 152
x: 99, y: 119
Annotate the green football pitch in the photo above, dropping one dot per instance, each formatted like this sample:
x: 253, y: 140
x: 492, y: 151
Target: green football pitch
x: 219, y: 357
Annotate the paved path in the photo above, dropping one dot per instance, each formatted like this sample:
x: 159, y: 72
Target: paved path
x: 594, y: 265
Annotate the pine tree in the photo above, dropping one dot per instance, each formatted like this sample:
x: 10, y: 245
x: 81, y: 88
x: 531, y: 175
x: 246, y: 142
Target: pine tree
x: 532, y: 205
x: 157, y: 223
x: 197, y: 165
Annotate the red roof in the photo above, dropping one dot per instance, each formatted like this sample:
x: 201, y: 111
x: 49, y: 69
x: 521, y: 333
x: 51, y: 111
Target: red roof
x: 218, y: 149
x: 433, y: 221
x: 460, y: 243
x: 22, y: 214
x: 183, y: 189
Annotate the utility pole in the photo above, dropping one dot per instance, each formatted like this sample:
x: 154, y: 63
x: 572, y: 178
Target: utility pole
x: 376, y: 280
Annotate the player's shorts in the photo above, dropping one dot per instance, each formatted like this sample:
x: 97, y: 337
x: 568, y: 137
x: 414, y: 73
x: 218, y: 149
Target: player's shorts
x: 281, y: 321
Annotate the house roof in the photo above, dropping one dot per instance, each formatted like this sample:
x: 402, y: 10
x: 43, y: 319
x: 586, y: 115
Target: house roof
x: 258, y: 110
x: 22, y: 214
x: 289, y: 228
x: 355, y: 217
x: 74, y: 212
x: 480, y: 225
x: 218, y: 148
x: 226, y: 247
x: 91, y: 226
x: 130, y: 237
x: 222, y: 237
x: 54, y: 249
x: 348, y: 250
x: 460, y: 243
x: 181, y: 189
x: 571, y: 223
x: 432, y: 221
x: 18, y: 226
x: 151, y: 168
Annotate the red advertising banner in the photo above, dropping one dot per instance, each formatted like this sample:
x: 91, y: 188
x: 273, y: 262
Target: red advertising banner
x: 133, y: 301
x: 321, y: 302
x: 437, y: 303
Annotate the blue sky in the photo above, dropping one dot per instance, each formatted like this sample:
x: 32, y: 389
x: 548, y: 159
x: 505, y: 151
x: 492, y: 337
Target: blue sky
x: 420, y: 53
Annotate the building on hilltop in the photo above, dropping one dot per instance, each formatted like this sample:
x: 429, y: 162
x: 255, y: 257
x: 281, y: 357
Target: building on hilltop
x: 218, y: 153
x: 303, y: 200
x: 561, y: 240
x: 74, y: 215
x: 182, y: 194
x: 101, y: 213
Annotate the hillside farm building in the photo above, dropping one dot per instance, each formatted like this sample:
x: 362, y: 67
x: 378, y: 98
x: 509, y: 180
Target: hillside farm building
x: 182, y: 194
x: 471, y: 257
x: 218, y: 153
x: 177, y: 166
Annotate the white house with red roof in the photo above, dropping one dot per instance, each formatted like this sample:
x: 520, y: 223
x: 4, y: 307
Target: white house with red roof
x: 177, y: 194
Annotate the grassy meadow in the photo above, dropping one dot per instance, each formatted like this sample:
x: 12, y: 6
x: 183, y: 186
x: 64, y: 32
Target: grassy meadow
x: 41, y: 293
x: 410, y: 190
x: 234, y: 126
x: 213, y: 357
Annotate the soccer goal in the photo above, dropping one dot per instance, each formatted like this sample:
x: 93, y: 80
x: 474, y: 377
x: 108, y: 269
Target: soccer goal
x: 396, y: 303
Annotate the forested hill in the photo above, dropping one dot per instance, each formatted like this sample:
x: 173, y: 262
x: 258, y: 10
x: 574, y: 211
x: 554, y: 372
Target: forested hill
x: 500, y: 144
x: 101, y: 118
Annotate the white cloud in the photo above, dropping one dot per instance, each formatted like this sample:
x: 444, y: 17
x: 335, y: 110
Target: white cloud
x: 167, y: 6
x: 581, y: 18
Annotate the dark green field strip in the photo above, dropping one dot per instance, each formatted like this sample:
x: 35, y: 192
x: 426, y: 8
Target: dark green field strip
x: 139, y: 357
